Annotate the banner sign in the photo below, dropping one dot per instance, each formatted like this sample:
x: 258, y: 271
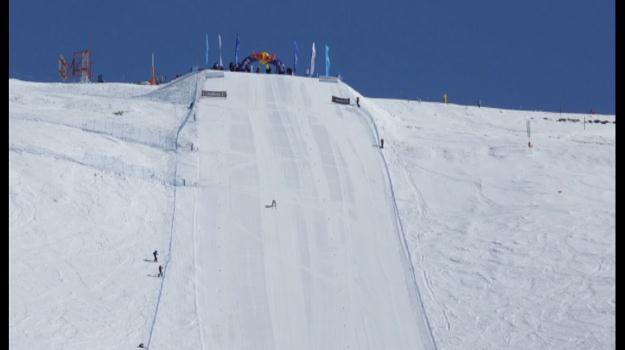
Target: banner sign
x: 206, y: 93
x: 340, y: 100
x: 328, y: 79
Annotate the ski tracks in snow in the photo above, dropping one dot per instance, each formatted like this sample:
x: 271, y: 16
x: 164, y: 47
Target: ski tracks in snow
x: 195, y: 265
x: 173, y: 215
x: 400, y: 230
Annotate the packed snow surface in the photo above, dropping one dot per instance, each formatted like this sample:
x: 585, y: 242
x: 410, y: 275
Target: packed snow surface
x: 455, y: 235
x: 514, y: 246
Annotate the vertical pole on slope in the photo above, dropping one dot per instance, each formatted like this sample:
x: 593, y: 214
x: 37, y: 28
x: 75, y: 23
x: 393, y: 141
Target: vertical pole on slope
x: 529, y: 135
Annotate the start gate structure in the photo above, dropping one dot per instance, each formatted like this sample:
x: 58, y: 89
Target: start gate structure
x: 79, y: 67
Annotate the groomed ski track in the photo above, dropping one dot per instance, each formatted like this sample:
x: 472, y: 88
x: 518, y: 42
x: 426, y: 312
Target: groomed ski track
x: 327, y: 269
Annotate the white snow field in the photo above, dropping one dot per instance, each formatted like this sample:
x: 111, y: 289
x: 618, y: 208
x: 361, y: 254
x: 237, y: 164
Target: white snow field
x: 88, y: 202
x: 456, y: 235
x: 514, y: 247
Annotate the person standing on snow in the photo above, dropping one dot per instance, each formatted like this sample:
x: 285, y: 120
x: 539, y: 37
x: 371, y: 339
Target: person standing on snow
x: 357, y: 101
x: 160, y: 271
x: 155, y: 253
x: 381, y: 143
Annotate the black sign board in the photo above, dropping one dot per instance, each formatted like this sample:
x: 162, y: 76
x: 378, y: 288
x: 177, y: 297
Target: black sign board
x: 340, y: 100
x: 206, y: 93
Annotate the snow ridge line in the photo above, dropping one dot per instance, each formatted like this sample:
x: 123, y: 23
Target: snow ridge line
x: 172, y: 82
x: 43, y: 153
x: 167, y: 146
x: 401, y: 231
x: 173, y: 213
x: 99, y: 163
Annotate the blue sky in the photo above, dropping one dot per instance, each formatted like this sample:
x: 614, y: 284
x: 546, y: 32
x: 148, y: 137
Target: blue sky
x: 530, y: 54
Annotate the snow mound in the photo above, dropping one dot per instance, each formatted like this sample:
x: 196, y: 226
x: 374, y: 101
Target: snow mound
x: 179, y: 91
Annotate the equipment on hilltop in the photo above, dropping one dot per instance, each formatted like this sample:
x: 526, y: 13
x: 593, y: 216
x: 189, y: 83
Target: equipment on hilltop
x: 62, y: 68
x: 264, y: 58
x: 152, y: 77
x: 80, y: 66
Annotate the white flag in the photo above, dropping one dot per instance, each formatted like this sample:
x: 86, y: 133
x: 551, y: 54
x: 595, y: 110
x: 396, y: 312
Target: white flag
x: 221, y: 64
x: 312, y: 60
x: 206, y: 58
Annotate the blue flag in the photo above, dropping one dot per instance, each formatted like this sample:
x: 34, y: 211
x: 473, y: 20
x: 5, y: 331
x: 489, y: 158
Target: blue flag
x: 295, y: 54
x: 221, y: 63
x: 236, y: 50
x: 327, y: 61
x: 206, y: 61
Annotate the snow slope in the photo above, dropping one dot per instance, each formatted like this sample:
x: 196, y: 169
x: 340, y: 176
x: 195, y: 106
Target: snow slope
x: 88, y: 201
x: 515, y: 246
x: 498, y: 246
x: 325, y: 269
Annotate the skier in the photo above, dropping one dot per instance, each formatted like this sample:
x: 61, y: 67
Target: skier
x: 357, y: 101
x: 381, y: 143
x: 155, y: 253
x: 160, y: 271
x: 141, y: 346
x: 274, y: 204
